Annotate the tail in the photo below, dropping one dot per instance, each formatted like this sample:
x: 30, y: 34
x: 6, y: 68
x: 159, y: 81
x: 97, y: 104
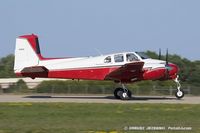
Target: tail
x: 27, y: 52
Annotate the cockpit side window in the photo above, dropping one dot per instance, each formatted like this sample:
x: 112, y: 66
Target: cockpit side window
x: 107, y: 59
x: 119, y: 58
x: 131, y: 57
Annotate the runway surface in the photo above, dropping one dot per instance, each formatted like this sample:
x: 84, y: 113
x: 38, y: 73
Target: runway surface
x: 98, y: 99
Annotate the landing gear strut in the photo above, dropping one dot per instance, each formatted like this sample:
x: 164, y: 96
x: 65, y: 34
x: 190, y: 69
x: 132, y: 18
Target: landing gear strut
x: 179, y: 93
x: 122, y: 93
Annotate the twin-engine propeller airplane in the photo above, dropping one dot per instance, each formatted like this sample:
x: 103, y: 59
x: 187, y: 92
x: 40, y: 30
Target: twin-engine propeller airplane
x: 125, y: 67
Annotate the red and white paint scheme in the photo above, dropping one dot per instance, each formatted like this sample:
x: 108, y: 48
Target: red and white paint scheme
x: 125, y: 67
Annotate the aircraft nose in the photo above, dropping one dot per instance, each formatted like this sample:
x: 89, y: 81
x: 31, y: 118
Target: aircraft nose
x: 172, y: 70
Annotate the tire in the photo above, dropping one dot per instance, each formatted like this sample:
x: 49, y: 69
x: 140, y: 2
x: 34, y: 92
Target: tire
x: 120, y: 94
x: 116, y: 93
x: 179, y: 94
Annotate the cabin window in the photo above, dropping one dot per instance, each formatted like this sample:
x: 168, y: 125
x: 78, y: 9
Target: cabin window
x: 131, y: 57
x: 119, y: 58
x: 107, y: 59
x: 142, y: 55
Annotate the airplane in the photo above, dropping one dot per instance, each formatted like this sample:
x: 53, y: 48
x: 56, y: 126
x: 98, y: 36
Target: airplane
x: 122, y: 68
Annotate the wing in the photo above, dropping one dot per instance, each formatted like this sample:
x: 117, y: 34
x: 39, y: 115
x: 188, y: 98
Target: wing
x: 129, y: 72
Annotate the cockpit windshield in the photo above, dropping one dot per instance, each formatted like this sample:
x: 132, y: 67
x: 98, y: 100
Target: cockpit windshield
x: 142, y: 55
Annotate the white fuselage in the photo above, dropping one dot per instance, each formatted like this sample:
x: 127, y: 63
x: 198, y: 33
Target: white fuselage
x: 98, y: 61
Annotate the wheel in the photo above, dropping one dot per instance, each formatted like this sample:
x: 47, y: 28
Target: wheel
x: 179, y: 94
x: 119, y: 93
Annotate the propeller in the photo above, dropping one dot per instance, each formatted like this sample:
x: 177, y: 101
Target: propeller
x: 183, y: 78
x: 159, y: 55
x: 167, y: 64
x: 167, y: 57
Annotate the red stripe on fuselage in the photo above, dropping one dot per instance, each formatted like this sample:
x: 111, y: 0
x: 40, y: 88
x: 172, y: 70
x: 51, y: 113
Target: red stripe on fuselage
x: 94, y: 73
x: 84, y: 73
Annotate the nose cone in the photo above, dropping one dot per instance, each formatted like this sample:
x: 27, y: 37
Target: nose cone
x: 172, y: 70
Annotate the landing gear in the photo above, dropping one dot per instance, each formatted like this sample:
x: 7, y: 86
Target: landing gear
x: 179, y: 93
x: 122, y: 93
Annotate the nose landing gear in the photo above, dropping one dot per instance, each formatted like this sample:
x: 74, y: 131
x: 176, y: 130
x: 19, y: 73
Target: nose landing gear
x: 179, y: 93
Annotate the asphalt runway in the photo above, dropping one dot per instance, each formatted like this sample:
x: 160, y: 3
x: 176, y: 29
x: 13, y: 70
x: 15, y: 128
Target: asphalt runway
x: 98, y: 99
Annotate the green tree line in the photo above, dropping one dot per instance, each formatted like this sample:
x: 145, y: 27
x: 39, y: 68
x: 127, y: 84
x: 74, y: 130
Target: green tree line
x: 6, y: 67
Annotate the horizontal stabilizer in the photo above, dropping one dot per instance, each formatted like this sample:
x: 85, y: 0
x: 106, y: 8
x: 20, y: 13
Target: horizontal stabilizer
x: 35, y: 71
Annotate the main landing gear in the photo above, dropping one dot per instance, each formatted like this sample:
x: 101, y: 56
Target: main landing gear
x: 179, y: 93
x: 122, y: 93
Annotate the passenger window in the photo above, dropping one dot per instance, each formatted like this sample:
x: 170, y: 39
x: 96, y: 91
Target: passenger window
x: 107, y: 59
x: 119, y: 58
x: 131, y: 57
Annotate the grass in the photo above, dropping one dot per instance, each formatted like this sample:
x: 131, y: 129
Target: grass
x: 95, y: 118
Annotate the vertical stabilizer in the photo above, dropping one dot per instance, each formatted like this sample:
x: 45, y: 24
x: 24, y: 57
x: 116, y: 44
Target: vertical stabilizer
x: 27, y: 52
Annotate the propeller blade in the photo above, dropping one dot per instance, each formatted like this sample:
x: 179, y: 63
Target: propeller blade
x: 166, y: 65
x: 167, y: 57
x: 159, y: 55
